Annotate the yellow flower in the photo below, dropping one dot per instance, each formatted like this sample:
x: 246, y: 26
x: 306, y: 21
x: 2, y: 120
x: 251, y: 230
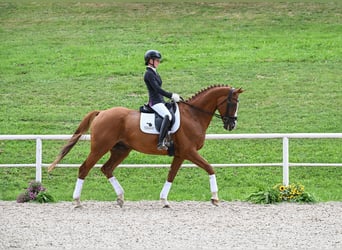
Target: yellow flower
x: 282, y: 188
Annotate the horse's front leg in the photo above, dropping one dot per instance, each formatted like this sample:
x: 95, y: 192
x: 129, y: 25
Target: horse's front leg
x: 201, y: 162
x: 176, y: 163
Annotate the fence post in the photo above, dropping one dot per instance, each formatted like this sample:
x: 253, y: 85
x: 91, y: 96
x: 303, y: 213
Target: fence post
x: 285, y: 161
x: 39, y: 159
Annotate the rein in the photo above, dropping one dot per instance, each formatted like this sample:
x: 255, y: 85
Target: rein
x: 214, y: 113
x: 204, y: 111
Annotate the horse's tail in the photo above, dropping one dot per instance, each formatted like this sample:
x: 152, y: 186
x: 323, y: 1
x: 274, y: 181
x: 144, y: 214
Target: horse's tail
x: 82, y: 128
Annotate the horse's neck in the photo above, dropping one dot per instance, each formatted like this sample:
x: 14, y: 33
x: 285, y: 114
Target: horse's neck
x: 205, y: 105
x: 207, y: 100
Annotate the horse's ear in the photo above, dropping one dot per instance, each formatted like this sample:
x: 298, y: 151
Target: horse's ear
x: 239, y: 90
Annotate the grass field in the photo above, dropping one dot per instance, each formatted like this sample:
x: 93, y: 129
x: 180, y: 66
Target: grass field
x: 60, y: 60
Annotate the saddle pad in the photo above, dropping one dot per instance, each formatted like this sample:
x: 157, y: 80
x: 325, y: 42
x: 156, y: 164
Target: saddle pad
x: 147, y: 123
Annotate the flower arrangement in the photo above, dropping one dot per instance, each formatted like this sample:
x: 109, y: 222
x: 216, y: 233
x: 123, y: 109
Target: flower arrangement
x: 279, y: 193
x: 35, y: 192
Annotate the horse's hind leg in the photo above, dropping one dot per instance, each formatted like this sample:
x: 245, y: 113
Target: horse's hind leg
x: 117, y: 154
x: 83, y: 171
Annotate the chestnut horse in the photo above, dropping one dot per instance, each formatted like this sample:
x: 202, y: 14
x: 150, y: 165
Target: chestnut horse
x: 117, y: 130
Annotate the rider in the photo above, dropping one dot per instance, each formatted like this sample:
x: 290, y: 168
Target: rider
x: 156, y: 94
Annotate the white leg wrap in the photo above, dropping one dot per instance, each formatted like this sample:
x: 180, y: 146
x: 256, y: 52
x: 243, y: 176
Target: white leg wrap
x: 116, y: 185
x: 213, y: 184
x: 165, y: 191
x: 78, y: 189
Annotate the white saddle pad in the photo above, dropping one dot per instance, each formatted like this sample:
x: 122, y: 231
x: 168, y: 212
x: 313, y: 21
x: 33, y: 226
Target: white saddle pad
x: 147, y: 123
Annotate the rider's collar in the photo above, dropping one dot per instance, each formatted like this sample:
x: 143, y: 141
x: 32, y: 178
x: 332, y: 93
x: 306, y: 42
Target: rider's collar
x: 154, y: 69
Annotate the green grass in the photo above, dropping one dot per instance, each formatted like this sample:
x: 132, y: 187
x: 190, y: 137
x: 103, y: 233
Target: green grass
x: 60, y: 60
x: 190, y: 183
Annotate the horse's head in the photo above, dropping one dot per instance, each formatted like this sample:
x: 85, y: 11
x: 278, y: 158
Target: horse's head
x: 229, y: 111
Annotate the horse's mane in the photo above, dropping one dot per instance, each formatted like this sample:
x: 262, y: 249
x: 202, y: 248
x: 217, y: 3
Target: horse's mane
x: 205, y: 90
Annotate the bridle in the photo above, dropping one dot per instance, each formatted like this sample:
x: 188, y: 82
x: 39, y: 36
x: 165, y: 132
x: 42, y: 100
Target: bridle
x: 226, y: 118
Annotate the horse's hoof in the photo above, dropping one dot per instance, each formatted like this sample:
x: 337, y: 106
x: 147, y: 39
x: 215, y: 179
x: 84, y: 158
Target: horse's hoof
x: 120, y: 202
x: 165, y: 203
x: 215, y: 202
x: 78, y: 204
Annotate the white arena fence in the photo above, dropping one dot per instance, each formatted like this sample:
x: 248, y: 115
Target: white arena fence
x: 285, y: 164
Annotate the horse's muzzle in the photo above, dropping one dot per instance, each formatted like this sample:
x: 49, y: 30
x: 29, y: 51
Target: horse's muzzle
x: 230, y: 124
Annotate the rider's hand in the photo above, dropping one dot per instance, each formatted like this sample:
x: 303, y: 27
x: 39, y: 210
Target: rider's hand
x: 175, y: 97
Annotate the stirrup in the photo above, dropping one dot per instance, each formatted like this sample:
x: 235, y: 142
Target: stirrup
x: 162, y: 146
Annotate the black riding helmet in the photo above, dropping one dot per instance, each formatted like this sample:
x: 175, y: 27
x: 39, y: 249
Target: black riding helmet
x: 152, y: 54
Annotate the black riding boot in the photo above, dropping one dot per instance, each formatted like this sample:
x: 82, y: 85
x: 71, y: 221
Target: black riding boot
x: 162, y: 133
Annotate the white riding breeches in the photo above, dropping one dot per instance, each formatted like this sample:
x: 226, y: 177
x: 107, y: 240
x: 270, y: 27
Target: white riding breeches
x: 162, y: 110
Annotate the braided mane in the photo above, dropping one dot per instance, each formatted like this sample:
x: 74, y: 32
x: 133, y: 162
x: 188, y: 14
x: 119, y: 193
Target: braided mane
x: 204, y: 90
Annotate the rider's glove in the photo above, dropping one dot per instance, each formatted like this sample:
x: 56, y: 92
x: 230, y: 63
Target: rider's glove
x: 175, y: 97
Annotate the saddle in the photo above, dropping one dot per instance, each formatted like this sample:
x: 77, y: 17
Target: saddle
x: 150, y: 122
x: 146, y: 109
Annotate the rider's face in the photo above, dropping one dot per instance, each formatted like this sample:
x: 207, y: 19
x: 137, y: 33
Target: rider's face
x: 155, y: 62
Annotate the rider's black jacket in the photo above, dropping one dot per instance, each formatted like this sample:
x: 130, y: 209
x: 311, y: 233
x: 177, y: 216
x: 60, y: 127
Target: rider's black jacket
x: 154, y: 85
